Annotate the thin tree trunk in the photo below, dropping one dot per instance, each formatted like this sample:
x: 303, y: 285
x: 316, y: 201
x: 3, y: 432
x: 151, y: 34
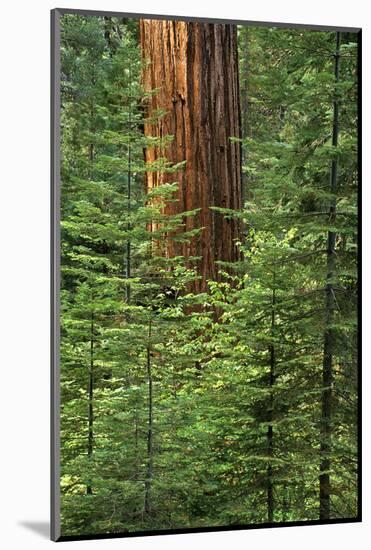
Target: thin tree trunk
x: 136, y: 443
x: 89, y: 489
x: 327, y: 372
x: 194, y: 69
x: 149, y: 473
x: 270, y: 441
x: 128, y: 244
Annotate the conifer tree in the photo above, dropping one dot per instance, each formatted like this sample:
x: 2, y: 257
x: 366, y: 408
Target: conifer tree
x: 236, y: 405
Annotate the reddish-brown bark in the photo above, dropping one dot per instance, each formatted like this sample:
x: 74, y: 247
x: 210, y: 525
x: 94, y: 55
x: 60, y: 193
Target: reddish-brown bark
x: 194, y: 68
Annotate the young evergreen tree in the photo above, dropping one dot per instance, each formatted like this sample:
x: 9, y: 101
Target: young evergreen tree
x: 238, y: 404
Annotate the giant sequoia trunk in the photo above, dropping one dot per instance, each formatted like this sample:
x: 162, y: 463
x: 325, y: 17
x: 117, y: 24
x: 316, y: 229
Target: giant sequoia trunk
x: 194, y: 69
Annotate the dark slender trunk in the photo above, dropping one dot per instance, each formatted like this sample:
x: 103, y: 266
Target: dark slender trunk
x: 128, y: 244
x: 136, y: 443
x: 270, y: 441
x: 327, y: 372
x: 149, y: 472
x: 89, y: 489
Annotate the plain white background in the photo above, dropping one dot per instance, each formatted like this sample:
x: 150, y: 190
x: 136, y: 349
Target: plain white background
x: 24, y: 286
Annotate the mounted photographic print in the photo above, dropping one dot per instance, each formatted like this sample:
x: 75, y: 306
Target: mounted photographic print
x: 205, y: 192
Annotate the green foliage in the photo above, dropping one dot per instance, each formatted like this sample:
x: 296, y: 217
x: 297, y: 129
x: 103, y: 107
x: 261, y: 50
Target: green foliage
x: 182, y: 410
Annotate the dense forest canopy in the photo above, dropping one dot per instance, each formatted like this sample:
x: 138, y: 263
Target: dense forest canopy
x: 209, y: 275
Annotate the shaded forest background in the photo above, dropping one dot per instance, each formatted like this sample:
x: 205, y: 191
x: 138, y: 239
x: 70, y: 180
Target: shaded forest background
x: 209, y: 277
